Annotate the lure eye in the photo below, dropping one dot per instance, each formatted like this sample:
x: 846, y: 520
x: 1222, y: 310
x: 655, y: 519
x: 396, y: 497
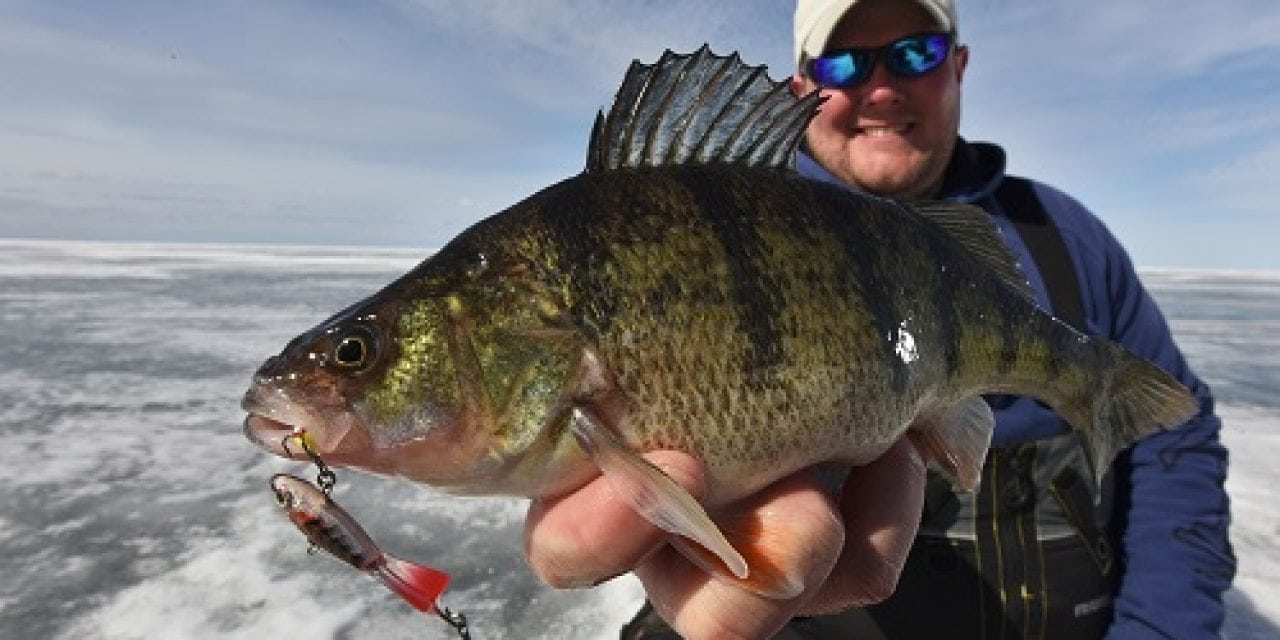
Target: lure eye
x: 283, y: 497
x: 354, y: 350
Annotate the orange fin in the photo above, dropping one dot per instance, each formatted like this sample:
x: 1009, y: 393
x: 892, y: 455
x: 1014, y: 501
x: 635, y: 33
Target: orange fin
x: 419, y: 586
x: 770, y: 548
x: 956, y: 441
x: 652, y: 493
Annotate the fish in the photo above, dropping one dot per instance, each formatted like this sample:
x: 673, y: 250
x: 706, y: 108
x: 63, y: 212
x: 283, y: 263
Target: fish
x: 688, y: 290
x: 328, y: 526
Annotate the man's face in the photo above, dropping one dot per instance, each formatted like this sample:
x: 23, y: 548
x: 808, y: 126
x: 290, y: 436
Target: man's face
x: 889, y: 136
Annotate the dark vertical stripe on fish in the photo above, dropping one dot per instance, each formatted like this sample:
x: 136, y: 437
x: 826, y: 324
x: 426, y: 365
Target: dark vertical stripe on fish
x: 757, y: 306
x: 584, y: 248
x: 1057, y: 358
x: 1009, y: 339
x: 857, y: 228
x: 944, y: 300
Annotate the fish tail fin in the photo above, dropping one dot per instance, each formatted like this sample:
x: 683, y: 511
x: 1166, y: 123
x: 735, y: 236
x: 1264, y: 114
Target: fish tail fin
x: 1132, y: 398
x: 418, y: 585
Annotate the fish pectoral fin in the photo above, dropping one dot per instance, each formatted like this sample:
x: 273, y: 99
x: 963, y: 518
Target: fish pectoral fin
x: 956, y: 440
x: 653, y: 494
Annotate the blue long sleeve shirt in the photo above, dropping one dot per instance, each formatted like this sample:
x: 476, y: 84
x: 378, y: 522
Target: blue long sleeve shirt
x: 1172, y: 510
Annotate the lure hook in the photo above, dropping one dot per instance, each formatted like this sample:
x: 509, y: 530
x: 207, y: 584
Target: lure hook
x: 325, y: 477
x: 456, y: 620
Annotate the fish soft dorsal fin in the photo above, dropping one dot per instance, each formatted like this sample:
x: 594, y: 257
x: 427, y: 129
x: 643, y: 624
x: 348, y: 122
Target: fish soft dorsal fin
x: 972, y: 228
x: 699, y: 108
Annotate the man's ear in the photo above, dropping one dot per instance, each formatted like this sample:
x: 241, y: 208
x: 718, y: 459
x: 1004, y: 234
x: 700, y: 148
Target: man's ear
x: 962, y: 62
x: 801, y: 86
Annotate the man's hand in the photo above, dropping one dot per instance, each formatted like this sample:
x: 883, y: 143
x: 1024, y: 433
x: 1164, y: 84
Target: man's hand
x: 850, y: 554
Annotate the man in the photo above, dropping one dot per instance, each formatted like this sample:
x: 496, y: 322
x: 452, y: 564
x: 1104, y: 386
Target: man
x: 1040, y: 551
x: 893, y: 133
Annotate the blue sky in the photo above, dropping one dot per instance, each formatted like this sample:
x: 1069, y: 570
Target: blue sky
x: 400, y: 122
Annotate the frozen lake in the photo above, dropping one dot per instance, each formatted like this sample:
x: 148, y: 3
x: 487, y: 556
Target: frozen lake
x: 134, y: 508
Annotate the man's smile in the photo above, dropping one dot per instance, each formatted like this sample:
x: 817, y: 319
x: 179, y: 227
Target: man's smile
x: 881, y: 130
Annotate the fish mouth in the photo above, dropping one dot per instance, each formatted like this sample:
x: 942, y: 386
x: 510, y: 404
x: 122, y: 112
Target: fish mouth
x: 274, y: 423
x: 271, y: 435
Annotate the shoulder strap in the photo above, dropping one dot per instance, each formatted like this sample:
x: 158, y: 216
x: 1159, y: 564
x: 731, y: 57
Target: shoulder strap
x: 1048, y: 249
x: 1044, y: 241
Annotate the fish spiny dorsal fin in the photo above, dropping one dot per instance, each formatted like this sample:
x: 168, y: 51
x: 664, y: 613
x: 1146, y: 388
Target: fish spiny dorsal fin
x: 972, y: 228
x: 699, y: 108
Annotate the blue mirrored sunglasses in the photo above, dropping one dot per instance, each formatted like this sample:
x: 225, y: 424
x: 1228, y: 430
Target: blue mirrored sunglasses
x: 908, y: 57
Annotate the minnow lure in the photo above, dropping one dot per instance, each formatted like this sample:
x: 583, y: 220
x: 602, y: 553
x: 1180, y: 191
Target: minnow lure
x: 328, y: 526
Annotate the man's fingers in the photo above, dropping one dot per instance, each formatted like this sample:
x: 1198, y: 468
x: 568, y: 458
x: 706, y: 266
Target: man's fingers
x: 590, y: 535
x: 881, y: 506
x: 700, y: 606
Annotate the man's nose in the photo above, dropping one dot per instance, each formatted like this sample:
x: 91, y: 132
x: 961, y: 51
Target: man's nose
x: 883, y: 87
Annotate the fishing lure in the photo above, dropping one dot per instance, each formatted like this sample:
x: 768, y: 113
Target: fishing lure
x: 328, y: 526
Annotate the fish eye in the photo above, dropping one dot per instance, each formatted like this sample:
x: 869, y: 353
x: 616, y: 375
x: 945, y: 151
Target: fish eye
x: 354, y: 350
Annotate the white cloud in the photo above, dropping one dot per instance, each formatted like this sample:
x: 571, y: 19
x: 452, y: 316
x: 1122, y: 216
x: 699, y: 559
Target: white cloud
x: 1121, y: 42
x: 105, y: 136
x: 419, y: 116
x: 1247, y: 184
x: 1150, y: 114
x: 564, y: 53
x: 1152, y: 36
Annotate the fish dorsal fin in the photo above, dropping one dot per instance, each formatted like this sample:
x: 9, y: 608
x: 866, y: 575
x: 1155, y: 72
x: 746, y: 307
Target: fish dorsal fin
x: 699, y: 108
x: 972, y: 228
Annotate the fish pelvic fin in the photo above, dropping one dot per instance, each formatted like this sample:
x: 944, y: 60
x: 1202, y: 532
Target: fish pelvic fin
x: 743, y: 549
x: 770, y: 549
x: 1132, y: 399
x: 418, y: 585
x: 699, y: 108
x: 651, y: 492
x: 956, y: 440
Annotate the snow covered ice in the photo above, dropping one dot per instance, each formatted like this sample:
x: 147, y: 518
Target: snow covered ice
x: 134, y: 507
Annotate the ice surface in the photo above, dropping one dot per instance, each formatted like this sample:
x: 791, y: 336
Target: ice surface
x: 134, y: 508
